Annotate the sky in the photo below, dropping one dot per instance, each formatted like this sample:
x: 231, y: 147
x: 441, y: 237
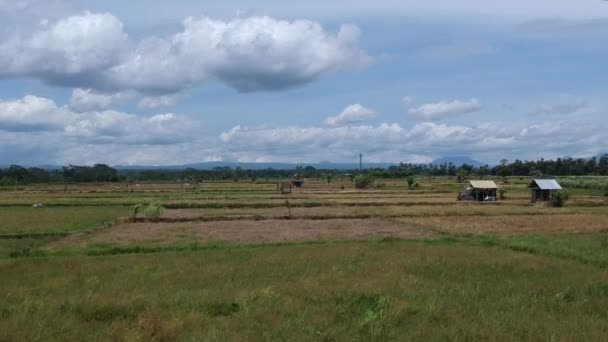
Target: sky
x: 165, y: 83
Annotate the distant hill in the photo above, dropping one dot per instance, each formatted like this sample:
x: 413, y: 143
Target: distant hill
x: 458, y: 161
x: 600, y: 155
x: 257, y: 166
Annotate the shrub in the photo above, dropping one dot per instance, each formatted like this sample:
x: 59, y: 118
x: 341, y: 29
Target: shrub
x: 153, y: 211
x: 606, y: 190
x: 559, y: 198
x: 363, y: 181
x: 5, y: 181
x: 410, y: 181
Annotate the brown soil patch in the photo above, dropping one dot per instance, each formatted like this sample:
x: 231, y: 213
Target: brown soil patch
x: 271, y: 231
x: 508, y: 224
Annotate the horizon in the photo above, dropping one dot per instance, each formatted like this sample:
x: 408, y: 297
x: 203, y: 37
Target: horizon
x: 86, y: 82
x: 456, y: 161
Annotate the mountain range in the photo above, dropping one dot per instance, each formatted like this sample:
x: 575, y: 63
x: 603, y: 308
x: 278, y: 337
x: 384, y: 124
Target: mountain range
x: 455, y: 160
x: 458, y: 161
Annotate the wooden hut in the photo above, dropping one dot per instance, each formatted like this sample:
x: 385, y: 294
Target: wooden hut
x: 542, y: 190
x: 482, y: 190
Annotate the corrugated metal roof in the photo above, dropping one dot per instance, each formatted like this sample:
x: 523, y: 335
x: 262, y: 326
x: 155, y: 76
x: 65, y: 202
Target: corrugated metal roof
x: 546, y: 184
x: 481, y: 184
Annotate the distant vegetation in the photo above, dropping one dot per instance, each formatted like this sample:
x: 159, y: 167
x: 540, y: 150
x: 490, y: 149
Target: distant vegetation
x: 18, y: 175
x: 363, y: 181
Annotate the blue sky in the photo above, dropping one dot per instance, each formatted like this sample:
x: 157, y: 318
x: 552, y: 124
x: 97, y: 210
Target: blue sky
x: 177, y: 82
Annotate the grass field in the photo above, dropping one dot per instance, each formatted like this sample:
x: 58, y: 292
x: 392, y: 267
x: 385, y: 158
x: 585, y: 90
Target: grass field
x: 239, y: 261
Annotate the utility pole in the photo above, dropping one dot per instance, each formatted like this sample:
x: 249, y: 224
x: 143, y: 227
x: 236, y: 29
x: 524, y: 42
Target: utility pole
x: 360, y: 161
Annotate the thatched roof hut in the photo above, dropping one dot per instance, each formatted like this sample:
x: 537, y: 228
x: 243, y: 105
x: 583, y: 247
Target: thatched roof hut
x: 482, y: 190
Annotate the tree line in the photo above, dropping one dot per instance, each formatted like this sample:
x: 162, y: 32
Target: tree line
x: 19, y: 175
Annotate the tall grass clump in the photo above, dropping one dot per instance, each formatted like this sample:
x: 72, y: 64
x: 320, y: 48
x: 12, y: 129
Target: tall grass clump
x: 134, y: 210
x: 151, y: 211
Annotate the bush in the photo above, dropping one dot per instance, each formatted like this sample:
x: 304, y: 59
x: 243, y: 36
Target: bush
x: 606, y: 191
x: 5, y: 181
x: 363, y: 181
x: 559, y: 198
x: 410, y: 181
x: 151, y: 211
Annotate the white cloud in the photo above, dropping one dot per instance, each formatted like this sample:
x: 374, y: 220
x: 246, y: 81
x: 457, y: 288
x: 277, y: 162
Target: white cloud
x: 32, y: 113
x: 248, y: 54
x: 37, y: 129
x: 36, y: 114
x: 441, y: 110
x: 393, y: 142
x: 353, y: 114
x: 258, y: 53
x: 87, y: 99
x: 67, y: 49
x: 155, y: 102
x: 338, y: 143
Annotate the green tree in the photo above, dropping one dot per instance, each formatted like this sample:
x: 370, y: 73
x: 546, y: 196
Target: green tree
x: 504, y: 171
x: 411, y: 181
x: 363, y: 181
x: 462, y: 175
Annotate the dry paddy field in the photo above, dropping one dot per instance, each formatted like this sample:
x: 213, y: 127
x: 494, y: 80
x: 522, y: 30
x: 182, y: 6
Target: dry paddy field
x: 240, y: 261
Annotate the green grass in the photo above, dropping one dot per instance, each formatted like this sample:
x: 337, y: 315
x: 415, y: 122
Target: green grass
x: 346, y: 291
x: 523, y: 287
x: 587, y: 248
x: 55, y: 220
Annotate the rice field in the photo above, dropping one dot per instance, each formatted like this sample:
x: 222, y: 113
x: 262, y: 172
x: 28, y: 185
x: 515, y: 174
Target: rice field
x: 241, y: 261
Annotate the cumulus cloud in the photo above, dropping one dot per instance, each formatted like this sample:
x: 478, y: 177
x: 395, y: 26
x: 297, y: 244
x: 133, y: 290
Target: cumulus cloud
x: 441, y: 110
x: 353, y: 114
x: 88, y: 99
x: 67, y: 50
x: 325, y: 142
x: 37, y: 114
x: 32, y: 113
x: 248, y: 54
x: 394, y: 142
x: 117, y: 137
x: 92, y: 51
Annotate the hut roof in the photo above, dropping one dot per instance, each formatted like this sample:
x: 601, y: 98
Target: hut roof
x: 545, y: 184
x: 480, y: 184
